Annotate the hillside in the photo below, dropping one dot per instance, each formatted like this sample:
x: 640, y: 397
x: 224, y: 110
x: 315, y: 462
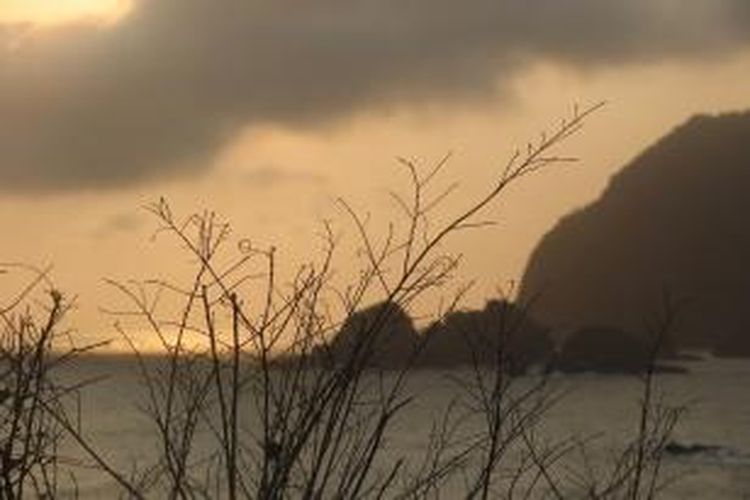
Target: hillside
x: 676, y: 219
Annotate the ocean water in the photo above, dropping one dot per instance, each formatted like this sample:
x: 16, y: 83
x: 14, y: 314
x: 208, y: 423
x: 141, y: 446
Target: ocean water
x: 603, y: 410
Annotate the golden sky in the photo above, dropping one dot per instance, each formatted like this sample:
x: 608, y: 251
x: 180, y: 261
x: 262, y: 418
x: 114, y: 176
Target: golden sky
x: 268, y: 112
x: 56, y: 12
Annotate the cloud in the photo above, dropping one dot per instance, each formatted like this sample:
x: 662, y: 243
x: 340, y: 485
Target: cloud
x: 123, y: 222
x: 160, y: 92
x: 266, y: 176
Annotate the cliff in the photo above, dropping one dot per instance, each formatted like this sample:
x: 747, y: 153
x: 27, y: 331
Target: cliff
x: 677, y: 219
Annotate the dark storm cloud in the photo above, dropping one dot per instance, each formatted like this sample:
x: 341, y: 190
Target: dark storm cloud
x: 161, y: 91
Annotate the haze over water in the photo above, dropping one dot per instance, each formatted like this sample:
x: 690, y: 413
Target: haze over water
x: 602, y: 408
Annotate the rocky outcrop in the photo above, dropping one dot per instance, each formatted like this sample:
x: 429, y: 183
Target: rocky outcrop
x: 733, y: 344
x: 383, y: 335
x: 499, y: 333
x: 604, y: 350
x: 676, y: 219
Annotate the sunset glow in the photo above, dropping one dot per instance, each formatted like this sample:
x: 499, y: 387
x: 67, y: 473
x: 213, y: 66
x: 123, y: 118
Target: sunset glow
x: 56, y: 12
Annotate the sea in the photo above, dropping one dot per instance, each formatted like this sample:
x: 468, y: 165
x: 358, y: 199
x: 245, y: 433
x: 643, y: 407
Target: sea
x: 710, y: 443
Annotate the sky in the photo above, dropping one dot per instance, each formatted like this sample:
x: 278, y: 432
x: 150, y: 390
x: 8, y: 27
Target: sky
x: 267, y: 111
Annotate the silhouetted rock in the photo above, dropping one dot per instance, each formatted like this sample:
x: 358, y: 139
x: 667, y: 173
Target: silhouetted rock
x: 734, y: 344
x: 715, y: 453
x: 676, y: 448
x: 467, y: 337
x: 675, y: 218
x: 604, y: 350
x: 383, y: 334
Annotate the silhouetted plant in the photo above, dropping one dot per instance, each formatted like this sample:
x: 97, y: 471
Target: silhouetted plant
x: 272, y: 389
x: 33, y: 347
